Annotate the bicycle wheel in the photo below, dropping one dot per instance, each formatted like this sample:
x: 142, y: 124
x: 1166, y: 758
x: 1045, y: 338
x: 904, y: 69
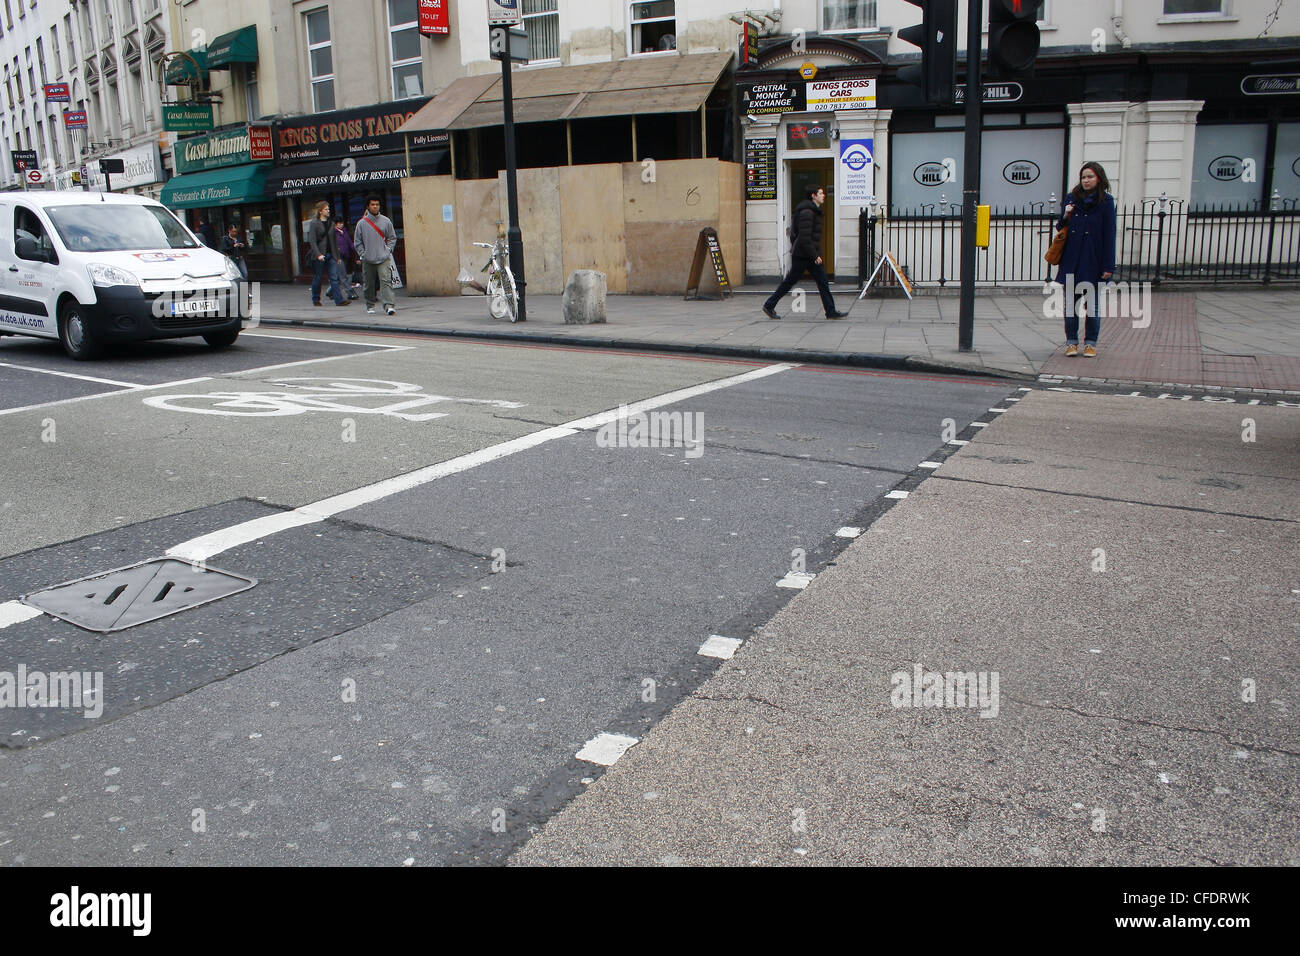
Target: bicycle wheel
x: 497, y: 306
x: 510, y: 293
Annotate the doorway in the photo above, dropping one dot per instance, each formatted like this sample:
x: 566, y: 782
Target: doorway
x: 803, y: 173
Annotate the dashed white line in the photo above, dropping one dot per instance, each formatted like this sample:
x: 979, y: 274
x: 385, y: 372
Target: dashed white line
x: 208, y: 545
x: 930, y: 464
x: 15, y: 612
x: 958, y: 441
x: 979, y: 424
x: 997, y: 411
x: 798, y: 580
x: 605, y: 749
x: 848, y: 532
x: 897, y: 494
x: 723, y: 648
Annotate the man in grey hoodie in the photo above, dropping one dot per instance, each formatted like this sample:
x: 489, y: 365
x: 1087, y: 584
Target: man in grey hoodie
x: 375, y: 239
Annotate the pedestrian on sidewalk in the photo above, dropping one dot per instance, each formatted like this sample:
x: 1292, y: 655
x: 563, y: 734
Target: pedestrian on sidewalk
x: 375, y: 239
x: 806, y: 254
x: 336, y: 261
x: 347, y: 255
x: 318, y: 242
x: 234, y: 247
x: 1089, y: 256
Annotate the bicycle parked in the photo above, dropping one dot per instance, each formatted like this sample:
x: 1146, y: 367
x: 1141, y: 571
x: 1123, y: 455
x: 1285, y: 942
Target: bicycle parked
x: 503, y: 295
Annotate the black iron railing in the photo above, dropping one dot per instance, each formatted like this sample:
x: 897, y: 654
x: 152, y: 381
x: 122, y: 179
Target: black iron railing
x: 1157, y: 241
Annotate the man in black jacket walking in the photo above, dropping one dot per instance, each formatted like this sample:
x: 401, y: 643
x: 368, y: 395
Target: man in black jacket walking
x: 806, y: 255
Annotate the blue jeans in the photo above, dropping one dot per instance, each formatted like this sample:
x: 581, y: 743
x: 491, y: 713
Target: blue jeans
x: 1091, y: 322
x: 319, y: 268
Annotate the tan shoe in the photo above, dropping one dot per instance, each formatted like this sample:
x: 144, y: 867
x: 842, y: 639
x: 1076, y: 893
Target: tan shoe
x: 1089, y: 351
x: 1071, y: 351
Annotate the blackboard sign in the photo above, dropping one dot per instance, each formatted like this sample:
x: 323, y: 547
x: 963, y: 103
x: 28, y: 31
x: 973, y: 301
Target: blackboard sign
x: 708, y: 243
x: 760, y: 168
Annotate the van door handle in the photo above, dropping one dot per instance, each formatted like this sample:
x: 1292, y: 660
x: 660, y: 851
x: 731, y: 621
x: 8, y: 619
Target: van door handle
x: 13, y: 268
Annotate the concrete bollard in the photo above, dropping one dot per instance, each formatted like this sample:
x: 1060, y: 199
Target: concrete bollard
x: 584, y: 298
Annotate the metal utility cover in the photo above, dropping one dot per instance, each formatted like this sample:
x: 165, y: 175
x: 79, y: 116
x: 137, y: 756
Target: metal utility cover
x: 125, y: 597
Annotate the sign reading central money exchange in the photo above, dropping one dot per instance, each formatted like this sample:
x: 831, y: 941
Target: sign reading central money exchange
x: 758, y: 99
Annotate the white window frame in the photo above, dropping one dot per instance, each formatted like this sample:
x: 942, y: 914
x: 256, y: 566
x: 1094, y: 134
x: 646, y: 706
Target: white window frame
x: 633, y: 22
x: 394, y: 65
x: 312, y: 79
x: 821, y: 13
x: 550, y: 60
x: 250, y: 82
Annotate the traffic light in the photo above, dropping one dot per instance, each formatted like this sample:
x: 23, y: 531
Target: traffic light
x: 936, y: 35
x: 1013, y: 37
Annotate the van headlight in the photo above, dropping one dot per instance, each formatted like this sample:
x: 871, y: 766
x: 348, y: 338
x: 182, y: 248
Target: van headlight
x: 101, y: 273
x: 232, y: 270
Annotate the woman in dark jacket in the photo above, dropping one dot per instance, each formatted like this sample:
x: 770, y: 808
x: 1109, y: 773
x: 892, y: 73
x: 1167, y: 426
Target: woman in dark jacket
x: 1089, y: 256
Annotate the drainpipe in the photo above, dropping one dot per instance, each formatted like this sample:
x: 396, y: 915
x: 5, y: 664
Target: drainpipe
x: 1117, y: 24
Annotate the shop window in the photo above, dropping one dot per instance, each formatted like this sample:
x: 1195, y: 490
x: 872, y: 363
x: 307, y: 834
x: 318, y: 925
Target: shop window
x: 1020, y: 169
x: 849, y: 15
x: 1286, y: 165
x: 404, y: 46
x: 320, y: 58
x: 542, y: 21
x: 652, y: 27
x: 1228, y: 165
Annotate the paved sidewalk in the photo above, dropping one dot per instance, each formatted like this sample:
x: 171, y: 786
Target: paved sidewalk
x: 1246, y: 339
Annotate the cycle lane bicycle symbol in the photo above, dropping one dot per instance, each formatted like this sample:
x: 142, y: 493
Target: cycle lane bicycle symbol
x: 345, y: 396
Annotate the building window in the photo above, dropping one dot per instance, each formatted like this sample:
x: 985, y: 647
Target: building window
x: 321, y: 59
x: 1228, y: 165
x: 67, y: 38
x: 853, y: 15
x: 404, y: 47
x: 1175, y: 8
x: 54, y: 48
x: 652, y: 27
x: 542, y: 21
x: 250, y: 92
x: 40, y: 58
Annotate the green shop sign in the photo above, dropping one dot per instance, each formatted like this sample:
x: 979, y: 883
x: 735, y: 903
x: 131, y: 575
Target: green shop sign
x: 227, y: 148
x: 187, y: 117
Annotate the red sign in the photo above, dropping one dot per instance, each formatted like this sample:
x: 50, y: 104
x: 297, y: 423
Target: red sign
x: 74, y: 119
x: 34, y: 176
x: 259, y: 143
x: 57, y: 93
x: 434, y: 20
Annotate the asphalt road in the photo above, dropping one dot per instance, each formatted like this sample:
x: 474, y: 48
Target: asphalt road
x: 459, y: 581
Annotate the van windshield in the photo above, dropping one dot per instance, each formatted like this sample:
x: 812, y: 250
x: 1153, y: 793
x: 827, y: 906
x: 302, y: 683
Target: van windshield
x: 113, y: 227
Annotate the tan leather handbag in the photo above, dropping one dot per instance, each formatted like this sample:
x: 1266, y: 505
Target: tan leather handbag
x: 1057, y: 248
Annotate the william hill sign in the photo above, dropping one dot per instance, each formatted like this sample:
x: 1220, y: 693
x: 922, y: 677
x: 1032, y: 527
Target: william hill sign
x: 227, y: 148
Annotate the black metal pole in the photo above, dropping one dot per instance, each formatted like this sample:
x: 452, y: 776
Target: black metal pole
x: 971, y: 172
x: 515, y: 238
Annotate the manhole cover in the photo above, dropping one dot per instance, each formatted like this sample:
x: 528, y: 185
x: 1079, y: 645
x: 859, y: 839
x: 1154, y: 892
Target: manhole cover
x: 115, y: 600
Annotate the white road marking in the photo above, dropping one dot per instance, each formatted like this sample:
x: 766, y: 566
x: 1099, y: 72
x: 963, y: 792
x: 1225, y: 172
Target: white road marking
x: 897, y: 494
x: 327, y: 358
x: 15, y: 612
x: 959, y: 441
x: 605, y: 749
x: 798, y: 580
x: 997, y: 410
x: 1025, y: 388
x: 848, y: 532
x: 979, y: 424
x: 930, y: 464
x: 83, y: 378
x: 307, y: 338
x: 86, y: 398
x: 208, y: 545
x: 720, y: 647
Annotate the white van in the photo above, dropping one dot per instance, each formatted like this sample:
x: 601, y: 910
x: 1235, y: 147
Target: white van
x: 92, y: 268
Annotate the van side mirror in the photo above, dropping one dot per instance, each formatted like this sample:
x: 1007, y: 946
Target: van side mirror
x: 28, y: 248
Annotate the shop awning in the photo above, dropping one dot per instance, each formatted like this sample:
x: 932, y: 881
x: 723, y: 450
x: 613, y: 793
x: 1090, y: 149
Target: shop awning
x: 180, y: 71
x: 659, y: 84
x: 237, y: 46
x: 217, y: 187
x: 299, y: 178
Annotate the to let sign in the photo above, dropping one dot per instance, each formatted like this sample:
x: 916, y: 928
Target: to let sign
x: 74, y: 119
x: 57, y: 93
x: 433, y: 18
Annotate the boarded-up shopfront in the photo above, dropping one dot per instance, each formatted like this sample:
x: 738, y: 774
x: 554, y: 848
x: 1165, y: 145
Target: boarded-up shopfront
x: 621, y: 165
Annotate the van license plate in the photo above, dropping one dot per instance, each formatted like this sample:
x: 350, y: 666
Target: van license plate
x: 194, y: 306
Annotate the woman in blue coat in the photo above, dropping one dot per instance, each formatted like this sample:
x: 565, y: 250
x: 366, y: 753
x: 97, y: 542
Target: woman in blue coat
x: 1089, y: 256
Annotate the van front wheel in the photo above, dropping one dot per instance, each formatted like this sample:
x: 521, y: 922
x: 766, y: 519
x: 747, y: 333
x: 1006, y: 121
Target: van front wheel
x: 221, y: 340
x: 75, y: 334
